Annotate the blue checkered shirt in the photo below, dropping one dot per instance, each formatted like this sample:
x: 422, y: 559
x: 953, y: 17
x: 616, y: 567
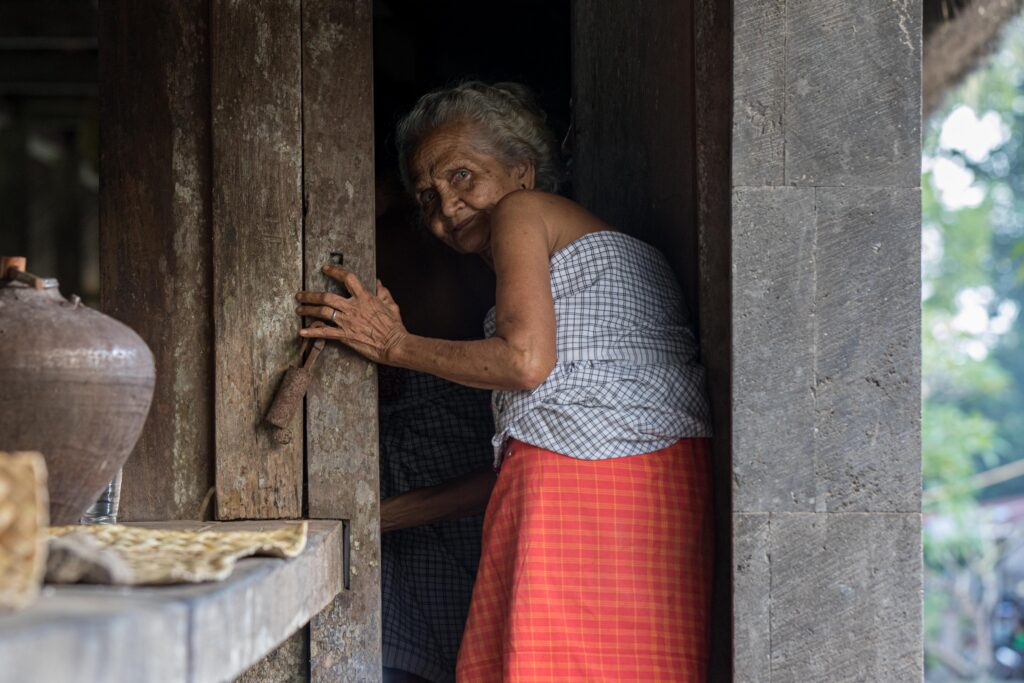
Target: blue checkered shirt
x: 627, y: 378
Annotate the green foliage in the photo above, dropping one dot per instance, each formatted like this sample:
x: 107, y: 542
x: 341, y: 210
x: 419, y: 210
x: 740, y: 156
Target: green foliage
x: 951, y: 433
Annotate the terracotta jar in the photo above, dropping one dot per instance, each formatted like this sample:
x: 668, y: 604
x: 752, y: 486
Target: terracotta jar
x: 74, y: 384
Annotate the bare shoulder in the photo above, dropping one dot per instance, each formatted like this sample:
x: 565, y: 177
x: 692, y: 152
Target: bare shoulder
x: 563, y: 219
x: 529, y: 201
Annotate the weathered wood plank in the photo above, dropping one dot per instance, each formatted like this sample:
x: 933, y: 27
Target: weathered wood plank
x: 257, y: 248
x: 195, y: 633
x: 72, y: 634
x: 155, y: 237
x: 712, y: 37
x: 341, y: 421
x: 265, y: 609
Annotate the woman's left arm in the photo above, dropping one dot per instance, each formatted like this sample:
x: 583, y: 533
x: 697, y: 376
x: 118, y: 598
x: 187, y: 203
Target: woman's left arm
x: 519, y: 356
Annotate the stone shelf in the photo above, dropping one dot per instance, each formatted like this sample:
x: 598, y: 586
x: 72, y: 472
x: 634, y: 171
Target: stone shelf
x: 189, y: 633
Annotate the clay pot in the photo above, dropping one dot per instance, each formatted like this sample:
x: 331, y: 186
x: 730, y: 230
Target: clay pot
x: 74, y: 384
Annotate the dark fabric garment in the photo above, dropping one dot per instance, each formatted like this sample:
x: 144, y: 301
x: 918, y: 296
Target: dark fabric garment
x: 431, y: 431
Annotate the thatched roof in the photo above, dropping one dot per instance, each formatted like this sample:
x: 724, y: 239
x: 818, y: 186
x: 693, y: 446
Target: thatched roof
x: 957, y: 35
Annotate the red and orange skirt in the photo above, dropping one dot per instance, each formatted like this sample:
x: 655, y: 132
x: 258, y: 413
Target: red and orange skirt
x: 594, y: 570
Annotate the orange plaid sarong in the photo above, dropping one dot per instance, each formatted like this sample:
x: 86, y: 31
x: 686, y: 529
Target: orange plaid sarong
x: 594, y: 570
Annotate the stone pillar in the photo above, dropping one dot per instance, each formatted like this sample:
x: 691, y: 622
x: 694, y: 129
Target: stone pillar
x: 822, y: 237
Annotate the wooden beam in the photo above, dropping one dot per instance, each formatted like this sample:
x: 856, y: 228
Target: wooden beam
x: 257, y: 248
x: 155, y: 237
x: 341, y: 417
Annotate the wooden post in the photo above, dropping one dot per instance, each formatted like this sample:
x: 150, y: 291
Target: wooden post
x: 257, y: 266
x: 713, y: 95
x: 155, y: 237
x: 257, y: 248
x: 341, y: 408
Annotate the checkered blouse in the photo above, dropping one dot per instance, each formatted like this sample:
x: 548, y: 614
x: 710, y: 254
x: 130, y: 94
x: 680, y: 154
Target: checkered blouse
x: 627, y: 379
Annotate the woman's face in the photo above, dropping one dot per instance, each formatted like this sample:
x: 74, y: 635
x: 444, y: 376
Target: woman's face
x: 457, y: 184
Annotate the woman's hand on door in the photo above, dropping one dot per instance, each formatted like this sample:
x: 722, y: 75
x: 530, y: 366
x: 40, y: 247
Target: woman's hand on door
x: 369, y: 323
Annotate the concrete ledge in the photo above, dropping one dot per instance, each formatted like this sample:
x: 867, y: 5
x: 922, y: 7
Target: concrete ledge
x: 191, y: 633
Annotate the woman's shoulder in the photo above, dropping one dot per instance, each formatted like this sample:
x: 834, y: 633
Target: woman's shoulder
x: 533, y: 205
x: 520, y: 200
x: 565, y: 220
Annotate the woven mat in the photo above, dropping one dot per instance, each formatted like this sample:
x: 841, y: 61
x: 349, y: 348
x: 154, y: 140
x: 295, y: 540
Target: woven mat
x: 131, y: 555
x: 23, y: 519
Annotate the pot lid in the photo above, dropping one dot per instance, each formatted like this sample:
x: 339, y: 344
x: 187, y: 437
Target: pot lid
x: 12, y: 273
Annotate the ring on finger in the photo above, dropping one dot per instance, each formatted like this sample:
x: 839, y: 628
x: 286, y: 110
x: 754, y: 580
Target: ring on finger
x: 334, y: 312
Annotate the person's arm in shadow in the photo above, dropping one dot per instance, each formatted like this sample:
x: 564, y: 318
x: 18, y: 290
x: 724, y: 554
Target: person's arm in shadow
x: 462, y: 497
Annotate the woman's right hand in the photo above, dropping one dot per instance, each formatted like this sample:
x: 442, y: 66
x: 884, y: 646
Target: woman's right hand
x: 370, y: 324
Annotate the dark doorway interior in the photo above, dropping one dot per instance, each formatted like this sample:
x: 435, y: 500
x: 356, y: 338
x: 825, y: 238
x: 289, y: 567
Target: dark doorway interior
x: 422, y: 46
x: 419, y: 46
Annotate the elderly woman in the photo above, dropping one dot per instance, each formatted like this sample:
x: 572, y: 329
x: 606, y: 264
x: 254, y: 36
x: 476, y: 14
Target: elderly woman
x: 596, y: 559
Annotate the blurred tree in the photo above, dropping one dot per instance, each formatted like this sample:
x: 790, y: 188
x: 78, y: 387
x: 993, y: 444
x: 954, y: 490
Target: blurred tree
x: 973, y: 353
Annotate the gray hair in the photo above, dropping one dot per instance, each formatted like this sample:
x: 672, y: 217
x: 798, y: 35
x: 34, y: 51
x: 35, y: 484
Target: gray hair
x: 508, y: 116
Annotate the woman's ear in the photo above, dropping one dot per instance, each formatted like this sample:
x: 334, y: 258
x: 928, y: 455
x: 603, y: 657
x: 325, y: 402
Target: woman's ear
x: 525, y: 175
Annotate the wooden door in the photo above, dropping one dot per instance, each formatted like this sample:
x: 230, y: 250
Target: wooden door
x: 237, y: 157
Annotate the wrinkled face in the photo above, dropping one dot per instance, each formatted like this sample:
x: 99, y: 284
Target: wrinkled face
x: 456, y: 185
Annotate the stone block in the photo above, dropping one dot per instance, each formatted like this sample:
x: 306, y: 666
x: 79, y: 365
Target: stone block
x: 846, y: 598
x: 853, y: 93
x: 867, y: 443
x: 773, y: 339
x: 751, y: 574
x: 759, y: 88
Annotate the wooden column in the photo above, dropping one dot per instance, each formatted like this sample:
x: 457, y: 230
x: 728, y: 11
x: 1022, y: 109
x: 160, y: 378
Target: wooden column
x: 712, y: 30
x: 155, y: 252
x: 257, y: 248
x: 341, y: 408
x: 256, y: 84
